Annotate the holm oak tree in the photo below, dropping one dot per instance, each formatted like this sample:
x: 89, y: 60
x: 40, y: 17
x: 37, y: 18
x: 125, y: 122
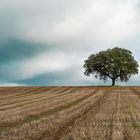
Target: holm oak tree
x: 116, y: 64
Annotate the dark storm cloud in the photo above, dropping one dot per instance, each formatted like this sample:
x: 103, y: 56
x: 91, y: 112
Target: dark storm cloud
x: 12, y: 50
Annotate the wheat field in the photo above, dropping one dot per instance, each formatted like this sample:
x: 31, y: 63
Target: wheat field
x: 69, y: 113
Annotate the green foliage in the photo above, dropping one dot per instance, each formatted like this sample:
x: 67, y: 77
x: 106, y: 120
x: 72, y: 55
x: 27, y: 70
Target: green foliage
x: 116, y: 64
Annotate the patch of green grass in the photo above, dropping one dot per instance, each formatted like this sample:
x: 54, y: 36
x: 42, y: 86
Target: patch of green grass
x: 135, y: 124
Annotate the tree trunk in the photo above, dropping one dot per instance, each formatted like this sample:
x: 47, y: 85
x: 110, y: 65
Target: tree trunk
x: 113, y: 82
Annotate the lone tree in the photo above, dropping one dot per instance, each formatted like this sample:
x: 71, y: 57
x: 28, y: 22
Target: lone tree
x: 116, y: 64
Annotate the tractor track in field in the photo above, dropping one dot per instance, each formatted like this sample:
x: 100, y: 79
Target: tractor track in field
x: 54, y: 113
x: 25, y: 93
x: 21, y: 92
x: 31, y: 101
x: 4, y: 94
x: 113, y: 119
x: 4, y: 90
x: 31, y: 118
x: 65, y: 128
x: 15, y: 89
x: 126, y: 135
x: 18, y: 93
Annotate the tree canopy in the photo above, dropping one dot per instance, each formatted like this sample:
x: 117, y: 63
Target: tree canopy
x: 116, y: 64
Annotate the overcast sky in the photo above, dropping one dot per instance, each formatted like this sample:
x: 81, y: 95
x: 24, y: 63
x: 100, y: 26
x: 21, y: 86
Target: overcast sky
x: 45, y: 42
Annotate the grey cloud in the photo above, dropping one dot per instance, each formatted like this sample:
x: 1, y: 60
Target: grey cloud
x: 12, y: 50
x: 32, y: 28
x: 19, y: 16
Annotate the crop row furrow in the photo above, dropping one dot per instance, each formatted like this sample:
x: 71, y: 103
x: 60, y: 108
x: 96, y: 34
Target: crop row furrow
x: 96, y: 123
x: 25, y: 93
x: 11, y: 92
x: 6, y: 90
x: 18, y: 93
x: 37, y: 106
x: 29, y: 98
x: 36, y: 102
x: 54, y: 120
x: 65, y: 128
x: 127, y: 105
x: 31, y: 115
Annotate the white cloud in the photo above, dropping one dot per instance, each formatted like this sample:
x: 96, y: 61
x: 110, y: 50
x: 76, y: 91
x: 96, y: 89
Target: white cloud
x: 10, y: 84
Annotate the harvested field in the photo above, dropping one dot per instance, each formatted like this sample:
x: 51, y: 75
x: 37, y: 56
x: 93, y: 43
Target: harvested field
x: 69, y: 113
